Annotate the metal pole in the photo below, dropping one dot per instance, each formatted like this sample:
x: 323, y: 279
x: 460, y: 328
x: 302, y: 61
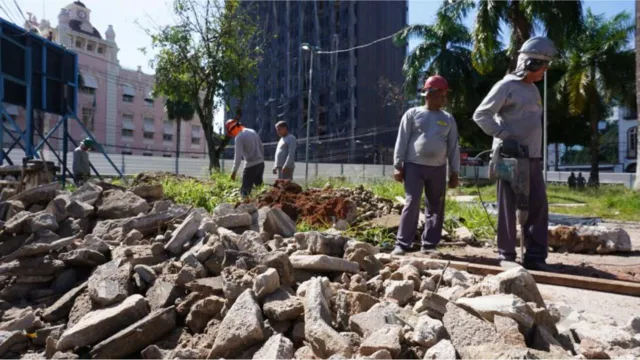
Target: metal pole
x: 306, y: 171
x: 545, y: 158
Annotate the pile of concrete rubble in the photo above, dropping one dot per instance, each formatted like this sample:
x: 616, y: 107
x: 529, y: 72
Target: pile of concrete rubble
x: 106, y: 272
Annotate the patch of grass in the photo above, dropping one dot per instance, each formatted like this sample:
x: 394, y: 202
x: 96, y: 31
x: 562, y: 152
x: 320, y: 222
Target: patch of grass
x: 615, y: 202
x: 473, y: 216
x: 377, y: 236
x: 207, y: 195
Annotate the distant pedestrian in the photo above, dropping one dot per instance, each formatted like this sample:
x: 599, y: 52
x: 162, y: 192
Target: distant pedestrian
x: 284, y: 162
x: 248, y: 147
x: 427, y: 140
x: 572, y: 181
x: 581, y: 181
x: 81, y: 163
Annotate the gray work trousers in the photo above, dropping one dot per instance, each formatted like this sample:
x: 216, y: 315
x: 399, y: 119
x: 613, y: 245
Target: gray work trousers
x: 536, y: 227
x: 285, y: 175
x: 433, y: 179
x: 251, y: 176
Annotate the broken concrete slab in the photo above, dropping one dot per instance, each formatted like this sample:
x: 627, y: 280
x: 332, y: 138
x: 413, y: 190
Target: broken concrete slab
x: 79, y: 209
x: 83, y: 257
x: 266, y: 283
x: 137, y: 336
x: 507, y: 305
x: 234, y: 335
x: 117, y: 204
x: 207, y: 286
x: 183, y: 233
x: 277, y: 347
x: 62, y: 306
x: 203, y: 311
x: 364, y: 324
x: 274, y: 221
x: 323, y: 263
x: 348, y: 303
x: 9, y: 339
x: 150, y: 192
x: 399, y: 290
x: 323, y: 339
x: 231, y: 221
x: 38, y: 248
x: 111, y: 282
x: 517, y: 281
x: 88, y: 193
x: 466, y: 329
x: 282, y: 306
x: 100, y: 324
x: 163, y: 294
x: 40, y: 266
x: 42, y: 194
x: 442, y: 350
x: 386, y: 338
x: 139, y: 254
x: 428, y: 331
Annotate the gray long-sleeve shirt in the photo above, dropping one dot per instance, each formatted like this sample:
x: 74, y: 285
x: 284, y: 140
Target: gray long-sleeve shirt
x: 81, y: 164
x: 512, y: 110
x: 286, y: 152
x: 248, y: 147
x: 427, y: 138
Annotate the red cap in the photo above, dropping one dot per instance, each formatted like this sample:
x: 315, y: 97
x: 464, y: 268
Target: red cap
x: 436, y: 82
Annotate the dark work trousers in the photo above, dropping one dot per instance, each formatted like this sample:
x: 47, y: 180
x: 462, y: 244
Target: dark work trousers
x: 535, y: 228
x: 285, y: 175
x: 433, y: 179
x: 251, y: 176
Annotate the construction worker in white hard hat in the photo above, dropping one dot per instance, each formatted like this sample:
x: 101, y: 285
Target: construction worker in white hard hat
x: 81, y: 163
x: 513, y: 110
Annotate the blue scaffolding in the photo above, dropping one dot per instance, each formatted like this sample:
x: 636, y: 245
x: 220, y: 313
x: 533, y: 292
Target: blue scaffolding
x: 37, y: 74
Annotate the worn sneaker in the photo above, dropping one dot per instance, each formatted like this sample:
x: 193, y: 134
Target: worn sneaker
x: 398, y: 251
x: 539, y: 266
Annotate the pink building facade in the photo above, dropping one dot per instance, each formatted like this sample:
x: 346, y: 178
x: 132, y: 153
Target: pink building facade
x: 114, y: 103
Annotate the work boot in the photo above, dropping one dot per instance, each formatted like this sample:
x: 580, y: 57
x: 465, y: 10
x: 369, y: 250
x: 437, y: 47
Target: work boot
x: 398, y: 251
x: 539, y: 265
x: 428, y: 249
x: 508, y: 262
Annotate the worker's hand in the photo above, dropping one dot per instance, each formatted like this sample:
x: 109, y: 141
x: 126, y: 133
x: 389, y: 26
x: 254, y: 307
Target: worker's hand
x: 233, y: 176
x: 453, y: 180
x: 398, y: 175
x: 275, y: 171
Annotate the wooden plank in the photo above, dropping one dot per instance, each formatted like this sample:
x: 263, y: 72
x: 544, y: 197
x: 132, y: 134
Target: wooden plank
x: 541, y: 277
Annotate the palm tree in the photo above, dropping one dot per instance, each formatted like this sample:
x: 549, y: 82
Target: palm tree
x: 599, y: 70
x: 179, y: 111
x: 637, y: 183
x: 445, y: 50
x: 562, y: 19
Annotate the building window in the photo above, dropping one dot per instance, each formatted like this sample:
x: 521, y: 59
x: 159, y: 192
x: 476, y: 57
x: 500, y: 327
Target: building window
x: 87, y: 117
x: 147, y: 153
x: 166, y: 155
x: 149, y: 102
x: 126, y: 152
x: 127, y: 125
x: 91, y: 46
x: 100, y: 49
x: 167, y: 137
x: 629, y: 114
x: 88, y: 90
x: 80, y: 43
x: 149, y: 128
x: 127, y: 98
x: 195, y: 134
x: 632, y: 143
x: 195, y: 141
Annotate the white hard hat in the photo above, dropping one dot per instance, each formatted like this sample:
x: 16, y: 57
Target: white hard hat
x: 539, y: 47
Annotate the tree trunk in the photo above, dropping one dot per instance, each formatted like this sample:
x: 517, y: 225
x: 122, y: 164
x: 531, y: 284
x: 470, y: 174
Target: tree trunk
x: 636, y: 186
x: 520, y: 31
x: 178, y: 135
x: 594, y: 177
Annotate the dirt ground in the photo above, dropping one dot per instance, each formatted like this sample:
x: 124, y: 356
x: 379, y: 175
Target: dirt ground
x: 622, y: 266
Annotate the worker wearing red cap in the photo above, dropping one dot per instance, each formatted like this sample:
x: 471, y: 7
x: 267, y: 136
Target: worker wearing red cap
x: 248, y: 147
x: 427, y: 141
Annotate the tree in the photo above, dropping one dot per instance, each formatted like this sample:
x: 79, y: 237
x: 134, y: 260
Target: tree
x: 444, y: 50
x: 637, y: 38
x: 562, y: 20
x: 179, y: 111
x: 599, y: 69
x: 210, y: 54
x: 392, y: 95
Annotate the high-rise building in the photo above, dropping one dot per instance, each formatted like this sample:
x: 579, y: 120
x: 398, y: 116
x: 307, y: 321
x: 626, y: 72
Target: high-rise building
x: 115, y: 103
x: 350, y: 119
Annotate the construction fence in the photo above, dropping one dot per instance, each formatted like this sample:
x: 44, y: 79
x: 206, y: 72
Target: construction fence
x: 134, y: 164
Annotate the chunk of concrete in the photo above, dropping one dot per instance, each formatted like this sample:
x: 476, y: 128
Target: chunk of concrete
x: 137, y: 336
x: 466, y: 329
x: 183, y: 233
x: 517, y: 281
x: 282, y: 306
x: 83, y: 257
x: 62, y: 306
x: 100, y: 324
x: 163, y: 294
x: 322, y: 338
x: 277, y: 222
x: 266, y: 283
x: 118, y: 204
x: 111, y: 282
x: 387, y: 338
x: 428, y: 331
x: 277, y: 347
x: 507, y: 305
x: 234, y: 335
x: 323, y: 263
x: 442, y: 350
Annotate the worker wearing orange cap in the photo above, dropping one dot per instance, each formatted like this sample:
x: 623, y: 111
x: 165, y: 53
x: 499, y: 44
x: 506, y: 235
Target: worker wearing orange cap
x: 248, y: 147
x: 427, y: 140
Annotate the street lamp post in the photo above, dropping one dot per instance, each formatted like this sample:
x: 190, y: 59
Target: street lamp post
x: 307, y: 47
